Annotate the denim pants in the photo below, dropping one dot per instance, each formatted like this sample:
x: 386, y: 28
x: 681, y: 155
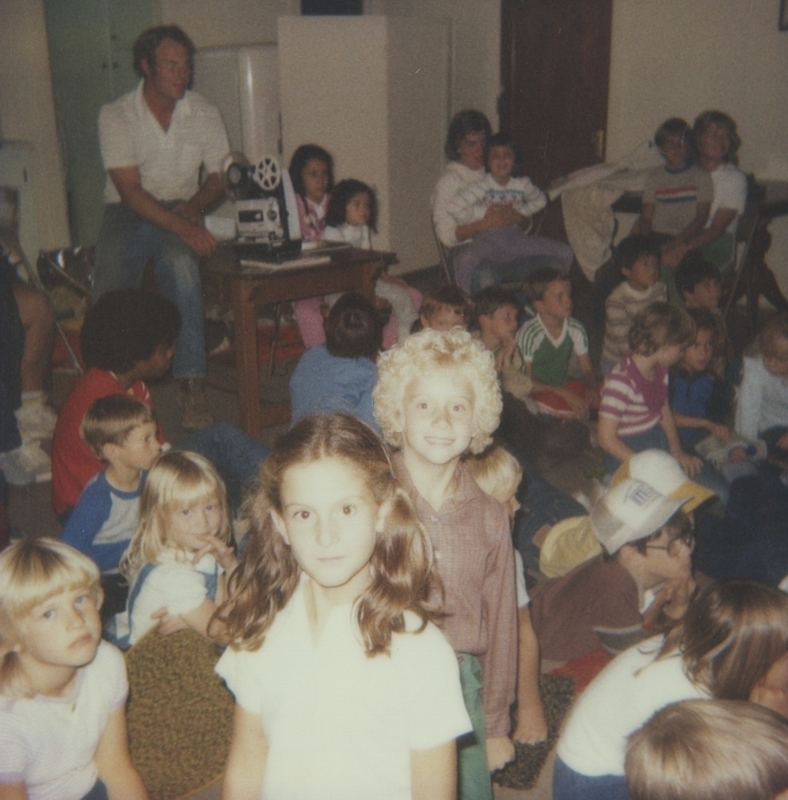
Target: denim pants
x: 506, y: 255
x: 571, y: 785
x: 125, y: 244
x: 234, y: 453
x: 655, y: 438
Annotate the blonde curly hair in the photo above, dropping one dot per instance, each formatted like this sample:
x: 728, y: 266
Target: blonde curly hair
x: 423, y: 353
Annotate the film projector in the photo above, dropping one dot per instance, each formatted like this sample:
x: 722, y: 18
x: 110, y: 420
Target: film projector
x: 266, y: 214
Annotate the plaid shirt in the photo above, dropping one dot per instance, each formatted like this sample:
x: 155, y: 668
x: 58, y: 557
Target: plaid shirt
x: 473, y: 552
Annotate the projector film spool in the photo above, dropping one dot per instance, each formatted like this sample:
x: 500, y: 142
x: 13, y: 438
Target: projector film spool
x: 268, y: 174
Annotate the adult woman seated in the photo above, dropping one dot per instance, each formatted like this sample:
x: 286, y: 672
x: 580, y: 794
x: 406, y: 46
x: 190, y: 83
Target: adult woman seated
x: 466, y: 145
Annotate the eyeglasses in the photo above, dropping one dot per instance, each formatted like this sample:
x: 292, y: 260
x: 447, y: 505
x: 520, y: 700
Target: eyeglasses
x: 672, y: 547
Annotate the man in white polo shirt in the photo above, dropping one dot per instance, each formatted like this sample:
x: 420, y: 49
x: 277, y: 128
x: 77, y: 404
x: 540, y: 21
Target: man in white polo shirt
x: 154, y: 142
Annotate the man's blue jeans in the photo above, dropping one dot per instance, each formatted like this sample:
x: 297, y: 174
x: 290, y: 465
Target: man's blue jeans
x: 235, y: 454
x: 125, y: 244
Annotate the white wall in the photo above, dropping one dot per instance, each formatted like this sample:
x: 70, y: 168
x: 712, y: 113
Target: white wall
x: 27, y: 113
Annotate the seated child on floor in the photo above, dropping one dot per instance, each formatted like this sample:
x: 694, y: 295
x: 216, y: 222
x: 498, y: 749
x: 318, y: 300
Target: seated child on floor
x: 709, y: 749
x: 351, y: 217
x: 500, y: 186
x: 762, y: 403
x: 438, y: 398
x: 698, y: 402
x: 127, y: 339
x: 340, y: 374
x: 496, y: 313
x: 571, y: 540
x: 634, y: 414
x: 498, y: 474
x: 446, y: 307
x: 733, y: 639
x: 181, y: 552
x: 676, y: 199
x: 62, y: 689
x: 636, y: 261
x: 642, y: 578
x: 121, y: 432
x: 546, y: 344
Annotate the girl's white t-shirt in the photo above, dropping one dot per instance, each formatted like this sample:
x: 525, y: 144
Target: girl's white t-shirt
x: 341, y: 725
x: 631, y: 688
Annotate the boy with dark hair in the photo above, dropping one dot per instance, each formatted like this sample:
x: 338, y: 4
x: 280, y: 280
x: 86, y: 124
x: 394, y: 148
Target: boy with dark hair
x: 127, y: 339
x: 636, y: 260
x: 444, y: 308
x: 699, y: 283
x: 547, y: 342
x: 609, y: 600
x: 496, y: 312
x: 121, y: 432
x: 340, y: 374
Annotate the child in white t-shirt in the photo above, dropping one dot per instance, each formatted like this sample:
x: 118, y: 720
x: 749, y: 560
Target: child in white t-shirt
x: 343, y: 685
x: 62, y: 690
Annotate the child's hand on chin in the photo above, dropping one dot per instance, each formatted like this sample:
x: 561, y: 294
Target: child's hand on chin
x: 500, y: 751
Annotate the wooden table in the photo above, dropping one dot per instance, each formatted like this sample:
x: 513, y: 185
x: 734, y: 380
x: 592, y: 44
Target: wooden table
x: 224, y: 280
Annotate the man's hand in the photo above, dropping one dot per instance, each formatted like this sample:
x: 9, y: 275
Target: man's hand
x: 196, y: 237
x: 190, y: 214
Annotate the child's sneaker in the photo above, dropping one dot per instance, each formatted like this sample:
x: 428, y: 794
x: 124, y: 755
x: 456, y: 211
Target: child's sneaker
x: 27, y: 464
x: 36, y: 420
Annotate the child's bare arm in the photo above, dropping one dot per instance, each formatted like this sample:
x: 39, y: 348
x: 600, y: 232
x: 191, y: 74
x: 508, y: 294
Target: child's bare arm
x: 609, y: 440
x: 500, y: 751
x: 722, y: 432
x: 643, y: 224
x: 113, y: 761
x: 531, y: 724
x: 433, y: 772
x: 243, y: 776
x: 692, y: 465
x: 198, y: 620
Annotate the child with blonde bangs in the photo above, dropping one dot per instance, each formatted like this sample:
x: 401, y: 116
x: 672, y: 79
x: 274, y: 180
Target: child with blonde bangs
x: 437, y: 399
x: 762, y: 403
x: 178, y: 558
x: 732, y: 645
x: 344, y: 687
x: 498, y: 474
x: 709, y: 749
x: 53, y: 661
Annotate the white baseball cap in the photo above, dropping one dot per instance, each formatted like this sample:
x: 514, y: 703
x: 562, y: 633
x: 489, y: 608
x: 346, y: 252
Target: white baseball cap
x: 661, y: 471
x: 630, y: 511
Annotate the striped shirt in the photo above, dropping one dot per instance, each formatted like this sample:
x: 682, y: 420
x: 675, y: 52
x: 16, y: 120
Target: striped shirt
x: 633, y: 400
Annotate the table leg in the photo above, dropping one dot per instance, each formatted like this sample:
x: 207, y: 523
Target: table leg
x: 246, y: 358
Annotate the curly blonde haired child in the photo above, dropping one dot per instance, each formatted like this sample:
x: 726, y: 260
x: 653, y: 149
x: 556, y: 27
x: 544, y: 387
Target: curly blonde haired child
x: 437, y: 399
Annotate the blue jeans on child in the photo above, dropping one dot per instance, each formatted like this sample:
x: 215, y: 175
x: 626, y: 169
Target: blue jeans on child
x: 125, y: 244
x: 655, y: 439
x: 571, y: 785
